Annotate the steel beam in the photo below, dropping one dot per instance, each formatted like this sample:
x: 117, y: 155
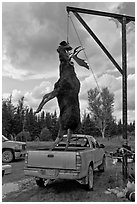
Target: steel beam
x: 100, y: 13
x: 124, y: 82
x: 124, y: 67
x: 98, y: 42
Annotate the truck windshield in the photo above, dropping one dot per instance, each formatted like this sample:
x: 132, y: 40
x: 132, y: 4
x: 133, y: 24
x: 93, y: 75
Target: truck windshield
x: 75, y: 141
x: 4, y: 138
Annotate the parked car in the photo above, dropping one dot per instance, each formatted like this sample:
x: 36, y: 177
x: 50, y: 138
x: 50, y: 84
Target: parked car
x: 12, y: 150
x: 78, y: 162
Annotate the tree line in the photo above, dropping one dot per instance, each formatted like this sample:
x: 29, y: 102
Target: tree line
x: 20, y: 122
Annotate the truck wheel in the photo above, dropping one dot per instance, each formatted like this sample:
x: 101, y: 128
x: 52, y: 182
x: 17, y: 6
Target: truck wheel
x: 40, y: 182
x: 90, y: 178
x: 102, y: 167
x: 7, y: 156
x: 3, y: 172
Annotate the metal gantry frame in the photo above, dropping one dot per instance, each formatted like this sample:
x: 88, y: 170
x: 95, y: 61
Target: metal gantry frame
x: 123, y: 19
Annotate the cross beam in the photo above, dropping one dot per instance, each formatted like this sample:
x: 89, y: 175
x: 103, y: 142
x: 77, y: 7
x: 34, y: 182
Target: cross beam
x: 98, y: 42
x: 100, y: 13
x: 123, y: 19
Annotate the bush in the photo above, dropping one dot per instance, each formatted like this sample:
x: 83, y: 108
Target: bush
x: 23, y: 136
x: 45, y: 135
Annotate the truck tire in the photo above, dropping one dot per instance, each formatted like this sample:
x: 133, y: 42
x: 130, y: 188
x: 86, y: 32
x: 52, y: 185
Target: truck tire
x: 90, y: 178
x: 7, y: 156
x: 40, y: 182
x: 3, y: 172
x: 102, y: 167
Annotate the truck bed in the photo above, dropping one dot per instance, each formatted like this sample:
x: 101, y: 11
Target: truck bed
x: 58, y: 158
x: 70, y: 163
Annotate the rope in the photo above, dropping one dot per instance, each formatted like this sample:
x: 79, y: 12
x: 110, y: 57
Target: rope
x: 84, y: 52
x: 68, y: 28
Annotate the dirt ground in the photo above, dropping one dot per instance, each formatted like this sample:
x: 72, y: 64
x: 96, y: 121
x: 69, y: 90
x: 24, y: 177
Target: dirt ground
x: 24, y: 189
x: 16, y: 187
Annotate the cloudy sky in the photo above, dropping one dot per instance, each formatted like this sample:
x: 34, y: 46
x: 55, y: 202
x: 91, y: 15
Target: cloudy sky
x: 31, y: 33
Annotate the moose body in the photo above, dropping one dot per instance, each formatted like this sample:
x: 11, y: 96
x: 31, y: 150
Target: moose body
x: 66, y: 90
x: 67, y: 97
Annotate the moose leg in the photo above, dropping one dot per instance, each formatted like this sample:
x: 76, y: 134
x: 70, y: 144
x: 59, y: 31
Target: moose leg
x: 59, y: 137
x: 46, y: 98
x: 69, y: 134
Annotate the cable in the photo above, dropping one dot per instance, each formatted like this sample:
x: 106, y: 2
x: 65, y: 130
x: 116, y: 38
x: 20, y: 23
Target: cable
x: 84, y: 53
x: 68, y: 28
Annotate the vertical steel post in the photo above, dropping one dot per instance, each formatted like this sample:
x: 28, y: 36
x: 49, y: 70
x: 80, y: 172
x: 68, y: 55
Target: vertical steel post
x: 124, y: 81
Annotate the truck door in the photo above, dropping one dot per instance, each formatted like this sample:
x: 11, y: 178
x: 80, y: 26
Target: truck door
x: 97, y: 153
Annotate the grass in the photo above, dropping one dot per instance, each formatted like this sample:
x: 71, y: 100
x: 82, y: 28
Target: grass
x: 110, y: 145
x: 115, y: 142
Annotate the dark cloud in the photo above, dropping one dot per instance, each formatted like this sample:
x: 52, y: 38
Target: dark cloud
x: 32, y: 31
x: 127, y: 8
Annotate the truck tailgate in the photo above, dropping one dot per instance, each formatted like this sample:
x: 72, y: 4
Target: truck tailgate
x: 52, y: 159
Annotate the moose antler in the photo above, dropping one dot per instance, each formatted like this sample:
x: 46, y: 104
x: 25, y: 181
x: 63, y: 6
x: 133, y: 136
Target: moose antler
x: 80, y: 62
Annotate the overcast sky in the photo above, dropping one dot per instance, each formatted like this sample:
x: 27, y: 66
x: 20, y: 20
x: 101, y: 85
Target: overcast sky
x: 31, y: 33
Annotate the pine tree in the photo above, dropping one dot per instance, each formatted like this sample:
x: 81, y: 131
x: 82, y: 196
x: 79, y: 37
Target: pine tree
x: 54, y: 125
x: 87, y: 126
x: 120, y: 127
x: 8, y: 111
x: 45, y: 135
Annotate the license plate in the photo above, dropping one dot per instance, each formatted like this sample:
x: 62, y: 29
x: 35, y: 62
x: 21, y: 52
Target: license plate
x: 49, y: 172
x: 43, y: 171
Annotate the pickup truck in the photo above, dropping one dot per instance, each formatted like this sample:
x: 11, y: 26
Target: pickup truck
x: 12, y: 150
x: 78, y: 162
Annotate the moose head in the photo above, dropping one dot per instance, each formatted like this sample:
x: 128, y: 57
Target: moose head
x: 66, y: 54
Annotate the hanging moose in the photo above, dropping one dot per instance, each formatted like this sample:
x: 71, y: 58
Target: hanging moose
x: 66, y: 90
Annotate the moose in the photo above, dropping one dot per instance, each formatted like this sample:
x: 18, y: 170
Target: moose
x: 66, y: 90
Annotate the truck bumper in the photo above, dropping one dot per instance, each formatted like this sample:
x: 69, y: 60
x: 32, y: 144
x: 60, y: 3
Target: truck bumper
x: 52, y: 174
x: 6, y: 169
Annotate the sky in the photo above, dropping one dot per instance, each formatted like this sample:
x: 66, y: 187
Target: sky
x: 31, y: 33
